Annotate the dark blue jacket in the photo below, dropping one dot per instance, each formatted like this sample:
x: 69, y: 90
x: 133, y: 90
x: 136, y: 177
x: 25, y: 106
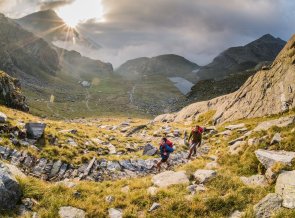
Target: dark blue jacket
x: 165, y: 148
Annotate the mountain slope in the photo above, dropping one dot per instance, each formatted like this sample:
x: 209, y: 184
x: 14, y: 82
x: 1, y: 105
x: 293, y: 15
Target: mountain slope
x: 48, y: 25
x: 169, y: 65
x: 267, y: 92
x: 237, y: 59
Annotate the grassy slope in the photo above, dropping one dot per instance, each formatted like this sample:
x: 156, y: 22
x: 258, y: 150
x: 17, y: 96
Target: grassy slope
x: 224, y: 194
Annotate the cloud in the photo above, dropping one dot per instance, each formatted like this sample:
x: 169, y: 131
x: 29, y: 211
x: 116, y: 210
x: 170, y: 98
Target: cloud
x: 45, y: 5
x: 197, y: 30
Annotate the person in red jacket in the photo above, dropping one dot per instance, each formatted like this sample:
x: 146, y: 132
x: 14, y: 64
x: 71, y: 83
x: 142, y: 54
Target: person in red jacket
x: 196, y: 136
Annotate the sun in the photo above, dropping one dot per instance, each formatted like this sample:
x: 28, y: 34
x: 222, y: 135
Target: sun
x: 81, y: 10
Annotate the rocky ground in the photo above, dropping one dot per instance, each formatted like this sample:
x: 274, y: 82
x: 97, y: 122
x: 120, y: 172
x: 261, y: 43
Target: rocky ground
x: 243, y: 169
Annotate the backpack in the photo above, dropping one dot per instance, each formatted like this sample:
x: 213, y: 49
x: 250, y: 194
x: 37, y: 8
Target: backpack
x: 169, y: 143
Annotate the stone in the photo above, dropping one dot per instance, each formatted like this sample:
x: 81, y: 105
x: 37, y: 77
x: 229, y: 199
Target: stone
x: 255, y: 180
x: 271, y: 176
x: 71, y: 212
x: 212, y: 165
x: 285, y: 187
x: 192, y: 189
x: 234, y: 127
x: 125, y: 189
x: 268, y: 206
x: 35, y: 130
x: 72, y: 131
x: 236, y: 147
x: 112, y: 148
x: 10, y: 190
x: 149, y: 150
x: 72, y: 142
x: 253, y: 141
x: 269, y: 158
x: 168, y: 178
x: 237, y: 140
x: 67, y: 183
x: 109, y: 199
x: 55, y: 168
x: 203, y: 176
x: 113, y: 166
x: 115, y: 213
x: 3, y: 118
x: 225, y: 133
x: 237, y: 214
x: 276, y: 139
x: 281, y: 122
x: 154, y: 207
x: 152, y: 190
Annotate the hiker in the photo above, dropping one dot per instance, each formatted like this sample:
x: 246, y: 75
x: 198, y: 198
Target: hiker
x: 166, y: 147
x: 196, y: 136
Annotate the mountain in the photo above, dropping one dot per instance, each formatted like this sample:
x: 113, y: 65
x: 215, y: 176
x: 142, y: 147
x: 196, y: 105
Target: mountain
x: 269, y: 91
x: 48, y: 25
x: 241, y: 58
x: 169, y: 65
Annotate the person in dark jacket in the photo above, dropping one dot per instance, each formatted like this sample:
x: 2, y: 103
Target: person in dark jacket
x: 165, y: 151
x: 196, y: 136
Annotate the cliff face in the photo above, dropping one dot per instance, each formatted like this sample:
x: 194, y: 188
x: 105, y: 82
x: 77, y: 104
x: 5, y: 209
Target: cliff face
x: 10, y: 93
x: 267, y: 92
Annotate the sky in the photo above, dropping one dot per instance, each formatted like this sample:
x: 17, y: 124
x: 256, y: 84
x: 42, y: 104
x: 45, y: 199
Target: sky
x: 196, y: 29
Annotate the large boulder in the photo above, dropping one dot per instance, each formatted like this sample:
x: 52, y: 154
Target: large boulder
x: 168, y: 178
x: 269, y: 158
x: 268, y: 206
x: 285, y: 187
x: 149, y: 150
x: 35, y: 130
x: 203, y: 176
x: 10, y: 192
x: 71, y: 212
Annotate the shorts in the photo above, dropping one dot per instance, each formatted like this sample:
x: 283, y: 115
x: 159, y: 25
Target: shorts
x: 164, y: 159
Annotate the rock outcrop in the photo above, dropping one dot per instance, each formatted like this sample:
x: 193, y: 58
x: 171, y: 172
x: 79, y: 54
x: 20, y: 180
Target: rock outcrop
x: 10, y: 192
x: 267, y: 92
x: 285, y: 187
x: 10, y: 93
x: 268, y: 206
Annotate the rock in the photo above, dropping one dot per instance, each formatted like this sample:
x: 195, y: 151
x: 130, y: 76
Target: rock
x: 237, y: 140
x: 29, y: 203
x: 115, y: 213
x: 67, y: 183
x: 10, y: 191
x: 125, y: 189
x: 236, y: 147
x: 276, y: 139
x: 285, y: 187
x: 225, y: 133
x: 112, y: 149
x: 269, y: 158
x: 268, y: 206
x: 97, y: 141
x: 253, y: 142
x: 3, y: 118
x: 72, y: 142
x: 71, y: 212
x: 154, y: 207
x: 72, y: 131
x: 149, y: 150
x: 203, y: 176
x: 168, y: 178
x: 152, y: 191
x: 35, y: 130
x: 234, y: 127
x: 255, y: 180
x: 237, y: 214
x: 212, y: 165
x: 55, y: 168
x: 271, y: 176
x: 109, y: 198
x: 192, y: 189
x: 85, y: 84
x: 281, y: 122
x: 14, y: 170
